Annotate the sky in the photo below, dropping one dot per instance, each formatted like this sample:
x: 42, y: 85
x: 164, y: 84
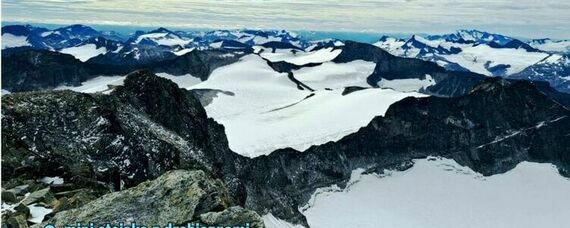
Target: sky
x: 521, y: 18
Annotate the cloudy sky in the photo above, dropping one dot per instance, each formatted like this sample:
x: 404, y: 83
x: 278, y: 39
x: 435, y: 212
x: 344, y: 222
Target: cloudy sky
x: 523, y: 18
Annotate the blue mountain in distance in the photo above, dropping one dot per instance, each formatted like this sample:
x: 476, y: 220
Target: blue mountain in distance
x: 465, y: 50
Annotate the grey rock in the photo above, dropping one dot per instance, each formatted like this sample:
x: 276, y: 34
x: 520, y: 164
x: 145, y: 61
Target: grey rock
x: 40, y: 196
x: 177, y: 196
x: 16, y: 222
x: 8, y: 197
x: 233, y: 216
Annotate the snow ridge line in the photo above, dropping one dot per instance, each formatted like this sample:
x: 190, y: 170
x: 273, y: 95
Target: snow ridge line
x: 537, y: 126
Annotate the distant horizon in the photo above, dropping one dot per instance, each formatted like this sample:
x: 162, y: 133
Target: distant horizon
x: 362, y: 36
x: 523, y: 18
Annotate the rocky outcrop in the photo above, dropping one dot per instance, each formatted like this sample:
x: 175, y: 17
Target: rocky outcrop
x: 177, y: 197
x: 232, y: 216
x: 100, y: 143
x: 143, y: 129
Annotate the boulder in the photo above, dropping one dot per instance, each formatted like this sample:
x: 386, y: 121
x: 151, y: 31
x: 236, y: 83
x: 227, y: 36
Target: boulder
x: 233, y: 216
x: 177, y: 197
x: 41, y: 196
x: 17, y: 222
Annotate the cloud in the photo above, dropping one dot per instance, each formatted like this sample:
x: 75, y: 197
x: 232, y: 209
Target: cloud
x: 521, y: 18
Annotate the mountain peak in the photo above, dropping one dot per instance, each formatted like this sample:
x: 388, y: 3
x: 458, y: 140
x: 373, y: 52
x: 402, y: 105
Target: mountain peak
x: 160, y: 30
x: 77, y: 28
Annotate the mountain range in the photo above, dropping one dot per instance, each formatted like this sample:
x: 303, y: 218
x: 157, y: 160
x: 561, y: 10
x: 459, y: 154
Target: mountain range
x: 489, y: 54
x: 466, y: 50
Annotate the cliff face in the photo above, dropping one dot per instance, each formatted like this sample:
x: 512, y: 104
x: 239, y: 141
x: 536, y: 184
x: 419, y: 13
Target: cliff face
x: 149, y: 126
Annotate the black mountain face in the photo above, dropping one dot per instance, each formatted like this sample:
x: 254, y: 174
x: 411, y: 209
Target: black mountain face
x: 39, y: 69
x: 149, y: 126
x: 513, y: 44
x: 27, y: 69
x: 389, y: 67
x: 198, y: 63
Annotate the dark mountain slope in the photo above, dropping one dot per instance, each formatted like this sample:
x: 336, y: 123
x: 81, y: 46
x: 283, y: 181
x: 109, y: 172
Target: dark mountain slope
x: 36, y: 69
x: 390, y: 67
x: 27, y: 69
x: 197, y: 63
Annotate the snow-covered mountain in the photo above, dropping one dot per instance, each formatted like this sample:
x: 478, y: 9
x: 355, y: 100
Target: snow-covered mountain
x: 472, y: 36
x: 554, y: 69
x: 92, y: 47
x: 552, y: 46
x: 465, y: 50
x: 143, y: 47
x: 487, y: 54
x: 73, y: 36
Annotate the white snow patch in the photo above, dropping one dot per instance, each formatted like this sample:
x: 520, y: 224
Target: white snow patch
x: 104, y: 84
x: 391, y: 44
x: 336, y: 75
x: 474, y: 58
x: 52, y: 180
x: 562, y: 46
x: 553, y: 59
x: 44, y: 34
x: 38, y: 213
x: 257, y: 87
x: 268, y: 112
x: 338, y: 43
x: 257, y: 49
x: 326, y: 116
x: 183, y: 51
x: 5, y: 207
x: 407, y: 85
x: 166, y: 39
x: 183, y: 81
x: 216, y: 44
x: 257, y: 40
x: 439, y: 193
x: 10, y: 41
x: 302, y: 58
x: 97, y: 84
x: 271, y: 221
x: 84, y: 52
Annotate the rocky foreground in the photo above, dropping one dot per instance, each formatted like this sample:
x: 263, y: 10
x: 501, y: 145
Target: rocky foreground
x: 114, y: 153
